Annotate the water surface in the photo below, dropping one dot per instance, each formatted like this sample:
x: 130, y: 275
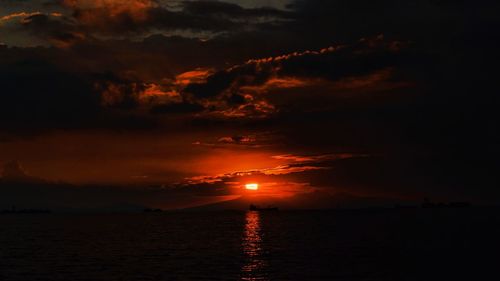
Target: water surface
x: 297, y: 245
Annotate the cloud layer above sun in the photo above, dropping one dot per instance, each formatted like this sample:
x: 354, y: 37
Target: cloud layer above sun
x: 384, y: 98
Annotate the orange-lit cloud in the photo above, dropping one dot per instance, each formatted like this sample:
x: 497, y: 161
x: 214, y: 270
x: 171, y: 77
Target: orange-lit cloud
x: 238, y: 139
x: 20, y: 15
x: 251, y: 89
x: 156, y: 93
x: 51, y: 28
x: 251, y: 109
x: 113, y: 94
x: 198, y: 75
x: 291, y: 164
x: 330, y: 49
x: 26, y: 17
x: 257, y: 140
x: 98, y: 12
x: 285, y: 82
x: 287, y: 169
x: 182, y: 71
x: 173, y: 87
x: 281, y: 189
x: 311, y: 158
x: 379, y: 80
x: 278, y: 83
x: 166, y: 91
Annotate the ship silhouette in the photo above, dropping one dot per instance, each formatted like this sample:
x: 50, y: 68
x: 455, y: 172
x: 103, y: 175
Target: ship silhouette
x: 257, y: 208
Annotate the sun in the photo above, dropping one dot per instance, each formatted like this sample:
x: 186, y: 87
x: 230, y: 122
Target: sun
x: 252, y: 186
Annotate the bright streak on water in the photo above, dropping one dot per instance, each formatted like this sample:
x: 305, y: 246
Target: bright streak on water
x: 254, y: 268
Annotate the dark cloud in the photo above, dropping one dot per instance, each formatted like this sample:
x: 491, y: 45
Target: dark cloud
x: 36, y: 92
x: 420, y: 100
x: 210, y: 16
x: 232, y: 11
x: 69, y: 21
x: 184, y: 107
x: 333, y: 63
x: 350, y: 73
x: 56, y: 29
x: 427, y: 133
x: 295, y: 165
x: 38, y: 95
x: 420, y: 21
x: 13, y: 170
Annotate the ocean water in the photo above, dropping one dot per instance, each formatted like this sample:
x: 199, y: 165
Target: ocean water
x: 413, y: 244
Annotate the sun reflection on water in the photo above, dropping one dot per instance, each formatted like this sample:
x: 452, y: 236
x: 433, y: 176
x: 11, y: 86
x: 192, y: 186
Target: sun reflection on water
x: 255, y: 264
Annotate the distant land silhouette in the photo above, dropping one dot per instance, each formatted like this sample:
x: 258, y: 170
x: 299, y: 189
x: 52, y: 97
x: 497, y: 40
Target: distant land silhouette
x: 14, y: 210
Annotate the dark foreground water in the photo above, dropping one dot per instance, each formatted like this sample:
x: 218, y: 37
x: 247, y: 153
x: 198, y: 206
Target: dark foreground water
x: 414, y: 244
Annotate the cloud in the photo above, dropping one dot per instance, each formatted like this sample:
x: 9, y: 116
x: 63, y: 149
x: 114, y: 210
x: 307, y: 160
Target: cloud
x: 45, y: 98
x: 420, y: 99
x: 21, y: 15
x: 294, y: 164
x: 233, y: 11
x: 13, y: 170
x: 179, y: 108
x: 237, y: 140
x: 110, y: 15
x: 242, y: 89
x: 298, y: 174
x: 56, y: 98
x: 56, y: 29
x: 317, y: 158
x: 39, y: 28
x: 70, y: 21
x: 257, y: 140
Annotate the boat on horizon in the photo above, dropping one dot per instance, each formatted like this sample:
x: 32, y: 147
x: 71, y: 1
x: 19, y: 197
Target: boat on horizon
x: 257, y: 208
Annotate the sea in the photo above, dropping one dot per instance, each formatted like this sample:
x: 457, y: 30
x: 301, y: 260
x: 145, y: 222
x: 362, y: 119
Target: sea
x: 386, y: 244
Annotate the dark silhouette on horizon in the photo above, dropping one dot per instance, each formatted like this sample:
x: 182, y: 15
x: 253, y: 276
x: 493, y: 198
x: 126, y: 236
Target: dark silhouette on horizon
x: 257, y: 208
x: 152, y: 210
x: 429, y: 204
x: 15, y: 210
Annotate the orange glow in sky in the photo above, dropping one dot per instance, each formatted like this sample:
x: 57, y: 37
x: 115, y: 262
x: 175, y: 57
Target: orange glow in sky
x: 252, y: 186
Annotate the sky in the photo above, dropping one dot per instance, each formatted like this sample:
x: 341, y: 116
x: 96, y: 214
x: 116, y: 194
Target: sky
x: 181, y: 103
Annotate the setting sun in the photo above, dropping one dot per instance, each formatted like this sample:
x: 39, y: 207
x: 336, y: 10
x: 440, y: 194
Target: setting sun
x: 252, y: 186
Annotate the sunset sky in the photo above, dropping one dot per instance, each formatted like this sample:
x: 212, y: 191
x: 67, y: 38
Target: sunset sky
x: 179, y: 103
